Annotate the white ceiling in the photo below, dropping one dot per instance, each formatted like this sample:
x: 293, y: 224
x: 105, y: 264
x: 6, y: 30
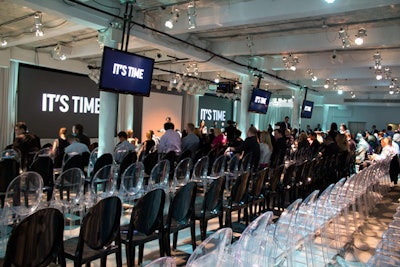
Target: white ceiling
x: 231, y: 37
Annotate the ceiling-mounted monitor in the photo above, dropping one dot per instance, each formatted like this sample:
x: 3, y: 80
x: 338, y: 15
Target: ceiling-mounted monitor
x: 307, y: 109
x: 124, y: 72
x: 259, y: 101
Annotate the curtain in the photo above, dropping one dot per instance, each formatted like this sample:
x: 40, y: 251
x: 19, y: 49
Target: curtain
x: 273, y: 116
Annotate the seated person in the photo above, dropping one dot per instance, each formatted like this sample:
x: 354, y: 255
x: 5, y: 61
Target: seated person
x: 75, y: 147
x: 27, y: 143
x: 123, y: 147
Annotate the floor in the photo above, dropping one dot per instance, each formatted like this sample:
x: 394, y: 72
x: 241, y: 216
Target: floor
x: 357, y: 253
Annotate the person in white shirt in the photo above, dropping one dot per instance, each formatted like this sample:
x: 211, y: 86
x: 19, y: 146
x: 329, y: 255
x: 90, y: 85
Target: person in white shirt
x: 170, y: 141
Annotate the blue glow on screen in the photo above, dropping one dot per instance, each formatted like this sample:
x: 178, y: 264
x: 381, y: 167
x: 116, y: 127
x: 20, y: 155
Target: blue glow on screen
x: 259, y: 101
x: 125, y: 72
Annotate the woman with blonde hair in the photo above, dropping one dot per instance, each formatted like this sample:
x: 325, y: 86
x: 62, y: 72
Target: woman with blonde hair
x: 265, y: 149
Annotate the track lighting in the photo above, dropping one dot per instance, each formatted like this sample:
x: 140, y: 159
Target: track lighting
x: 378, y: 74
x: 329, y: 1
x: 345, y: 38
x: 291, y: 62
x: 360, y: 36
x: 377, y: 59
x: 4, y: 42
x: 327, y: 83
x: 216, y: 80
x: 313, y: 77
x: 340, y: 92
x: 192, y: 15
x: 38, y: 26
x: 61, y: 52
x: 174, y: 18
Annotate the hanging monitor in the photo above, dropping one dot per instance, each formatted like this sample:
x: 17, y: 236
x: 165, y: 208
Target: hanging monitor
x: 307, y: 109
x: 259, y: 101
x: 124, y: 72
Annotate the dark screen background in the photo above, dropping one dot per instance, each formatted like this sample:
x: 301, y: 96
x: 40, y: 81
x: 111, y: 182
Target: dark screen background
x: 215, y: 103
x: 34, y: 81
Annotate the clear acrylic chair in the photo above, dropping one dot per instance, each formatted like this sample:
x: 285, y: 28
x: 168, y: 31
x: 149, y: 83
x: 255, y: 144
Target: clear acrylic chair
x: 218, y: 167
x: 132, y: 182
x: 92, y: 159
x: 44, y: 152
x: 182, y: 173
x: 11, y: 153
x: 162, y: 262
x: 200, y: 170
x: 159, y: 176
x: 104, y: 182
x: 215, y: 244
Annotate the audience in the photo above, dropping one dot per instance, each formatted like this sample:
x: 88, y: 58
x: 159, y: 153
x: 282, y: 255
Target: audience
x: 191, y: 141
x: 123, y: 147
x: 75, y: 147
x: 170, y: 141
x: 26, y: 143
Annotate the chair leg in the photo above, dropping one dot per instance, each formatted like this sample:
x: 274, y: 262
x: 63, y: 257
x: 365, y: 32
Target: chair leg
x: 167, y: 245
x: 119, y: 256
x: 203, y: 229
x: 141, y: 249
x: 130, y: 255
x: 103, y: 261
x: 193, y: 232
x: 175, y: 240
x: 228, y: 219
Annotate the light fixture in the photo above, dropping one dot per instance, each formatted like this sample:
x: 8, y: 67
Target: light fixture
x: 378, y: 74
x: 313, y: 77
x: 61, y: 52
x: 216, y: 80
x: 4, y: 42
x: 191, y: 11
x: 345, y: 38
x: 191, y: 69
x: 353, y: 95
x: 290, y: 62
x: 360, y: 36
x: 38, y: 26
x: 173, y: 19
x: 388, y: 73
x: 340, y: 91
x: 327, y: 83
x: 329, y: 1
x: 377, y: 59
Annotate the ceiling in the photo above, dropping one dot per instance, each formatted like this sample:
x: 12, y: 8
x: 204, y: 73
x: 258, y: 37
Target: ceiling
x: 232, y: 38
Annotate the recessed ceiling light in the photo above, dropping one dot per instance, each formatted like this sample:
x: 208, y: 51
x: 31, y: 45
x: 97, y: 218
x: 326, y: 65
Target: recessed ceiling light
x: 329, y: 1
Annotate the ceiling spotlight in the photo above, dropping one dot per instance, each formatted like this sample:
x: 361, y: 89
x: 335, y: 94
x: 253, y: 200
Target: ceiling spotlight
x: 4, y: 42
x: 291, y: 62
x: 360, y: 36
x: 391, y: 92
x: 377, y: 59
x: 388, y: 73
x: 174, y: 18
x: 378, y: 75
x: 329, y: 1
x: 327, y: 83
x: 353, y: 95
x: 345, y: 38
x: 38, y: 26
x: 192, y: 16
x: 340, y: 92
x: 313, y: 77
x: 61, y: 52
x: 216, y: 80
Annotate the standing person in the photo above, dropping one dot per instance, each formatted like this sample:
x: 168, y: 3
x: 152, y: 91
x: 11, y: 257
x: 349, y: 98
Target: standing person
x: 27, y: 143
x: 170, y: 141
x: 279, y: 150
x: 59, y: 145
x: 318, y: 128
x: 230, y: 131
x: 333, y: 131
x: 203, y: 128
x: 148, y: 145
x: 284, y: 125
x: 77, y: 131
x: 191, y: 141
x: 314, y: 144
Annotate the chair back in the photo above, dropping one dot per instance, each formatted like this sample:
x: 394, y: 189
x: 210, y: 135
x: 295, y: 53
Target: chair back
x: 258, y: 183
x: 44, y: 166
x: 218, y: 167
x: 200, y: 169
x: 132, y: 179
x: 147, y: 214
x: 130, y: 158
x: 104, y: 182
x: 68, y: 188
x: 44, y: 152
x: 246, y: 162
x: 159, y: 175
x: 239, y: 188
x: 182, y: 172
x: 233, y: 164
x: 23, y: 196
x: 92, y: 160
x: 11, y: 153
x: 9, y: 169
x: 181, y: 209
x: 213, y: 197
x: 37, y: 240
x: 103, y: 160
x: 75, y: 161
x: 150, y: 161
x: 101, y: 225
x: 215, y: 244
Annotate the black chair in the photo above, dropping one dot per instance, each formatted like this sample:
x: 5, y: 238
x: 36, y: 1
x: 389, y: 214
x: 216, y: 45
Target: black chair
x: 130, y: 158
x: 103, y: 160
x: 273, y: 188
x: 185, y: 154
x: 146, y: 224
x: 149, y: 162
x: 99, y: 234
x: 75, y: 161
x: 257, y: 194
x: 211, y: 205
x: 44, y: 166
x: 238, y: 199
x: 9, y: 169
x: 181, y: 216
x: 37, y: 240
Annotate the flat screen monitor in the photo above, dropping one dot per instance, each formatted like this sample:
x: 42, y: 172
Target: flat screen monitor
x: 259, y: 101
x: 307, y: 109
x: 124, y: 72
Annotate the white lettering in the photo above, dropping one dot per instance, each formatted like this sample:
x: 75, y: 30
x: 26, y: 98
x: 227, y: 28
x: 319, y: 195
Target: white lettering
x: 81, y: 104
x: 124, y: 70
x: 44, y: 102
x: 64, y: 103
x: 307, y: 108
x: 260, y: 100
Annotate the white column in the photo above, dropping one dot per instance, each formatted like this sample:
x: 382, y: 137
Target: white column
x: 108, y: 110
x: 297, y: 100
x: 125, y: 112
x: 243, y: 114
x: 325, y: 127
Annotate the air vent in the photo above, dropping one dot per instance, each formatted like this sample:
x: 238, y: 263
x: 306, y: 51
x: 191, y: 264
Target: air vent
x: 355, y: 100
